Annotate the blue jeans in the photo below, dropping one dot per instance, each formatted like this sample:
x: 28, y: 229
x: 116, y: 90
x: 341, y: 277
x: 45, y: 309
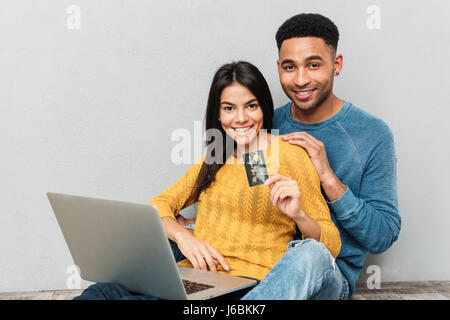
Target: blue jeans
x: 306, y: 271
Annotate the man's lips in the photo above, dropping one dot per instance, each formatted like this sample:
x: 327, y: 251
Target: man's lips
x: 304, y: 94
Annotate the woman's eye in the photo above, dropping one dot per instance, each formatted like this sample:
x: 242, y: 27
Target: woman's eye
x: 253, y: 106
x: 228, y: 108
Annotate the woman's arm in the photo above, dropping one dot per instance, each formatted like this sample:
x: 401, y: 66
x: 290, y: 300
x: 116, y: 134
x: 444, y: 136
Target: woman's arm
x: 285, y: 194
x: 169, y: 203
x: 312, y: 203
x: 173, y: 229
x: 310, y: 228
x: 201, y: 254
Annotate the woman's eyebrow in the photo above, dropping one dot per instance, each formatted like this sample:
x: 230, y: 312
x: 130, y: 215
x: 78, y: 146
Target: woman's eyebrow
x: 226, y: 102
x: 232, y: 104
x: 250, y: 101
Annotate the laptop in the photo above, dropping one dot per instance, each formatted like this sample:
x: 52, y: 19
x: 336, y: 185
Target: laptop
x: 125, y: 243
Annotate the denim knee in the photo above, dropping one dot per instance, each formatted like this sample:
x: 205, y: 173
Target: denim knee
x: 314, y: 253
x: 103, y: 291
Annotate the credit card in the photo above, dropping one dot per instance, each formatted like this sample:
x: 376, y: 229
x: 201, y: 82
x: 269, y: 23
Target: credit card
x: 256, y: 169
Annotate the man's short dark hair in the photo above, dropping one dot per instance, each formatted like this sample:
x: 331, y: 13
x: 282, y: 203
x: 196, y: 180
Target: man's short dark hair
x: 308, y: 25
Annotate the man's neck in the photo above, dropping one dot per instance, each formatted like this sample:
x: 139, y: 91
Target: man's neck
x: 327, y: 109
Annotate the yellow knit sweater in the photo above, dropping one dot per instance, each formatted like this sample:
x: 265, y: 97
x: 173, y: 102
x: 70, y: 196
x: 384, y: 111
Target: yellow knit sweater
x: 240, y: 221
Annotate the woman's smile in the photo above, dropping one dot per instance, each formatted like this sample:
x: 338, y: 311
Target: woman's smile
x: 241, y: 116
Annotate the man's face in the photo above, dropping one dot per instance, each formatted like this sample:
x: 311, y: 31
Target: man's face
x: 306, y: 67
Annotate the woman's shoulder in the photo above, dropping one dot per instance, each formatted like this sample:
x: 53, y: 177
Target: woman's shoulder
x: 294, y: 160
x: 290, y: 152
x: 195, y: 167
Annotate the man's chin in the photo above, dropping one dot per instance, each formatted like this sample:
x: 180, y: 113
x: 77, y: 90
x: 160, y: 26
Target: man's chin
x: 304, y: 106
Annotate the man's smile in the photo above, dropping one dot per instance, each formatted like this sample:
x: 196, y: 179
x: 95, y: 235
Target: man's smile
x: 303, y: 94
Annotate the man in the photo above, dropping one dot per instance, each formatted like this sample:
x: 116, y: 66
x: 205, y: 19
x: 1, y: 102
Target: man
x: 352, y: 151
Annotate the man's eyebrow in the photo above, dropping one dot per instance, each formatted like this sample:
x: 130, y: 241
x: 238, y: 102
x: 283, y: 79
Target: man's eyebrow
x: 310, y: 58
x: 287, y: 61
x: 313, y: 58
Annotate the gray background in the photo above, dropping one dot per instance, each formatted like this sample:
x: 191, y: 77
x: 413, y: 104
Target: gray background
x: 91, y: 111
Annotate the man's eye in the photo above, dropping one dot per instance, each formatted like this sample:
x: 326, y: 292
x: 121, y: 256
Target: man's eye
x: 289, y: 68
x: 314, y: 65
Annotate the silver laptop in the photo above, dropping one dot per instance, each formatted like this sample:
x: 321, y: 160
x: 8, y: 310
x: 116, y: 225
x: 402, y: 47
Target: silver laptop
x: 125, y: 243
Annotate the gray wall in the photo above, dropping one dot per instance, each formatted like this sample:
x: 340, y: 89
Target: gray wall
x: 90, y: 111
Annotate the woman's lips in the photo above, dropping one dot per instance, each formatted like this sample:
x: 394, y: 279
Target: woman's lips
x: 243, y: 132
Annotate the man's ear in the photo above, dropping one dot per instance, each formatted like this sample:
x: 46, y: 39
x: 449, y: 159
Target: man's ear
x: 338, y: 64
x: 278, y: 65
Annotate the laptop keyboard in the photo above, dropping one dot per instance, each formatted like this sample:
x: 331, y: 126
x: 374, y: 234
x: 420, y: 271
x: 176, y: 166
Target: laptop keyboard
x: 192, y: 287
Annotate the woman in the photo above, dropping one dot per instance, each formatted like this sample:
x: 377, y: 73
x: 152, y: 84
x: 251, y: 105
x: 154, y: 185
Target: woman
x: 240, y: 229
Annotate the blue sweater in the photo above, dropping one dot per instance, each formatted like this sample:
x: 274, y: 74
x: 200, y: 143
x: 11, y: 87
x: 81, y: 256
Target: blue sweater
x: 360, y: 149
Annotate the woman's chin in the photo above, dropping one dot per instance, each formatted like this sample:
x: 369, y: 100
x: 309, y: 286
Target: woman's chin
x: 244, y: 142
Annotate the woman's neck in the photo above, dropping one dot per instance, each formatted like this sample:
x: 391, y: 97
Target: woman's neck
x: 261, y: 142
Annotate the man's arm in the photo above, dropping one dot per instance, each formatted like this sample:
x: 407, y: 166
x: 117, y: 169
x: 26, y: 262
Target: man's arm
x: 372, y: 219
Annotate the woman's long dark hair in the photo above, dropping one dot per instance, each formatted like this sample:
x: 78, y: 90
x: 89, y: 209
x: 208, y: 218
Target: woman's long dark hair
x: 250, y: 77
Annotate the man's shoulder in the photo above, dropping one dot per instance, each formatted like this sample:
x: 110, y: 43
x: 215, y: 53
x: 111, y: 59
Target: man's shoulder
x: 361, y: 122
x: 279, y: 115
x: 281, y: 109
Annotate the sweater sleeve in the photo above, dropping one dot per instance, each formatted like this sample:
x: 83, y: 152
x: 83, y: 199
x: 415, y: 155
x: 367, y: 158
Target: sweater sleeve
x: 313, y: 203
x: 177, y: 196
x: 372, y: 218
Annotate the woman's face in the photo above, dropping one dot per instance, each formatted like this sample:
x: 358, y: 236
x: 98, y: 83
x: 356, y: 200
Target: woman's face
x: 240, y: 114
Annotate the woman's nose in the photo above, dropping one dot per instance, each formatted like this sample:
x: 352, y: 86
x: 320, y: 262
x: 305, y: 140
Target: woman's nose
x: 241, y: 115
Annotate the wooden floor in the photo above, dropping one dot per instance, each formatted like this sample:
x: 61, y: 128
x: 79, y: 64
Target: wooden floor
x: 425, y: 290
x: 429, y: 290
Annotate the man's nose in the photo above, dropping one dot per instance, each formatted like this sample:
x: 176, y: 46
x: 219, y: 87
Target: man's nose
x: 302, y: 78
